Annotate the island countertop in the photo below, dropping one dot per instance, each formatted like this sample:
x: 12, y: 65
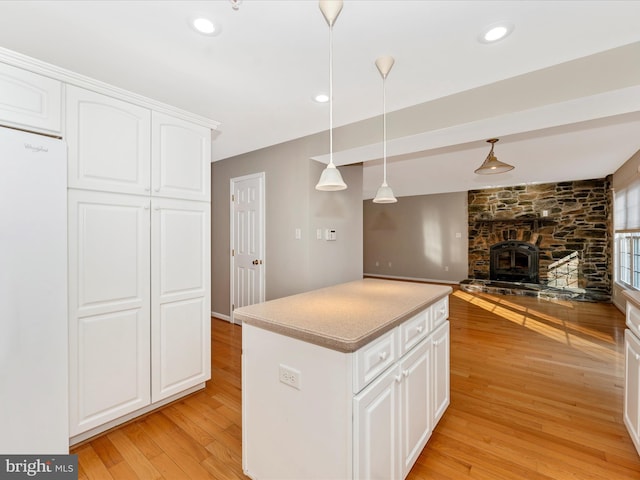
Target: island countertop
x: 343, y: 317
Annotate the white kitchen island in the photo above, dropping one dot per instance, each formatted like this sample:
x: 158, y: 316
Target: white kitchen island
x: 345, y: 382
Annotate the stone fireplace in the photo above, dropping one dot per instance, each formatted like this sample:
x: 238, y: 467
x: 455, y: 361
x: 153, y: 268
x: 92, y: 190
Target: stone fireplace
x: 555, y: 235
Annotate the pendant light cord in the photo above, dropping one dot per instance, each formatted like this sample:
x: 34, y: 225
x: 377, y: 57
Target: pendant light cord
x: 384, y: 131
x: 331, y: 94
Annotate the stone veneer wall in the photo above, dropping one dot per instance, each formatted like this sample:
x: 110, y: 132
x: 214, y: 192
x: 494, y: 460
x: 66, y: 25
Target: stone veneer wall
x: 578, y: 225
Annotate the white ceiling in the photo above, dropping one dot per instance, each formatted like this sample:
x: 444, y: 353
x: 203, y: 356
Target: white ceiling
x: 562, y: 111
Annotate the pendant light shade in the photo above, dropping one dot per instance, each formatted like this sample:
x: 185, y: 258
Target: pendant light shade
x: 384, y: 194
x: 491, y: 164
x: 330, y: 179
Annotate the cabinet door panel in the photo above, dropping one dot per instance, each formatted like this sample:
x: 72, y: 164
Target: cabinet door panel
x: 632, y: 387
x: 181, y: 351
x: 441, y: 395
x: 109, y: 305
x: 377, y: 424
x: 29, y: 101
x: 109, y: 146
x: 108, y: 252
x: 180, y: 248
x: 416, y: 411
x: 181, y: 159
x: 181, y: 318
x: 109, y: 368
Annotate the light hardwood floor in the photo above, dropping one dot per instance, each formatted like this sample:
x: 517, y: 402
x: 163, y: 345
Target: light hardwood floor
x: 536, y: 393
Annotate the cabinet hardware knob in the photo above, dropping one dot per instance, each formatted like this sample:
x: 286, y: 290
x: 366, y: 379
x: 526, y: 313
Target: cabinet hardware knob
x: 637, y: 357
x: 420, y: 328
x: 398, y: 378
x: 405, y: 373
x: 383, y: 355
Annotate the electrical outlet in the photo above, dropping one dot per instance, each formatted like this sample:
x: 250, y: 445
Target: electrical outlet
x: 290, y: 376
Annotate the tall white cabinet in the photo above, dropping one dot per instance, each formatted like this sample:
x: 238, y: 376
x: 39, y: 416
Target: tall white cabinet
x: 139, y: 249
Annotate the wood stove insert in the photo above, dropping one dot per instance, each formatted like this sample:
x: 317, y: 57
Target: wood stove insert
x: 514, y: 261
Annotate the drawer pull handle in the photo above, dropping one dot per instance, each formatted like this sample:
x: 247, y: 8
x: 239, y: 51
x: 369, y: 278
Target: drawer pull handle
x: 398, y: 378
x: 383, y: 356
x: 420, y: 328
x: 405, y: 373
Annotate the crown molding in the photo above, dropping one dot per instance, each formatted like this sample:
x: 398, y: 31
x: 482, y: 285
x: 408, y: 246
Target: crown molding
x: 72, y: 78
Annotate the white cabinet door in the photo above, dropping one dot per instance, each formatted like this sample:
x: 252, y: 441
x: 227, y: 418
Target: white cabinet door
x: 109, y: 299
x: 29, y: 101
x: 181, y: 311
x: 416, y: 403
x: 377, y: 429
x: 181, y: 159
x: 109, y: 143
x: 440, y: 385
x: 632, y: 387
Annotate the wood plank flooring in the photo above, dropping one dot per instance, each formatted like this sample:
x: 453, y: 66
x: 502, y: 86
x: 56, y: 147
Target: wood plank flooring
x: 536, y: 394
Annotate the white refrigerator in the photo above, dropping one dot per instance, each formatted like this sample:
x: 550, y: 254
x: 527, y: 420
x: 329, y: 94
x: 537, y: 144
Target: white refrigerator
x: 33, y: 294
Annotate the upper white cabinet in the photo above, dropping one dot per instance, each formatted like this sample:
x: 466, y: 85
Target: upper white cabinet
x: 109, y: 143
x: 29, y: 101
x: 181, y: 159
x: 116, y: 146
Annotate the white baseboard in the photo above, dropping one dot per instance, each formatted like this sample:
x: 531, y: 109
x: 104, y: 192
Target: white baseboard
x: 221, y: 316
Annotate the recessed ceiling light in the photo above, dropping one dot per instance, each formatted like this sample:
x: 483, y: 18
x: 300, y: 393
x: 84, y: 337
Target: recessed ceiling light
x: 205, y: 26
x: 495, y: 32
x: 321, y: 98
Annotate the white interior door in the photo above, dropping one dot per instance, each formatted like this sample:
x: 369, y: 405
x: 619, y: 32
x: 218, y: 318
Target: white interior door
x: 247, y: 240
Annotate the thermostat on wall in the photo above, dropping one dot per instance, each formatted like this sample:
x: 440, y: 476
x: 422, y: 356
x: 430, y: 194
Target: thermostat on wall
x: 330, y: 234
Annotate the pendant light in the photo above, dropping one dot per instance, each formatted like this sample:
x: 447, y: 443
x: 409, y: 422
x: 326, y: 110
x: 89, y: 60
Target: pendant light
x: 384, y: 194
x: 330, y: 180
x: 491, y: 164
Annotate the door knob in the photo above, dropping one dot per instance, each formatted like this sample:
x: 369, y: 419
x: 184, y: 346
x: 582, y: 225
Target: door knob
x: 257, y: 262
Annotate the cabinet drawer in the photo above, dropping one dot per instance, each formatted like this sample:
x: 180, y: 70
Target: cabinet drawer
x: 439, y: 312
x: 374, y: 358
x: 413, y: 331
x: 633, y: 318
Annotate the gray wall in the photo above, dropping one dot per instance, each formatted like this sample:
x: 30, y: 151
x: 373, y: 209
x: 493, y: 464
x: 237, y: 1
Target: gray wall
x: 418, y: 236
x: 291, y: 265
